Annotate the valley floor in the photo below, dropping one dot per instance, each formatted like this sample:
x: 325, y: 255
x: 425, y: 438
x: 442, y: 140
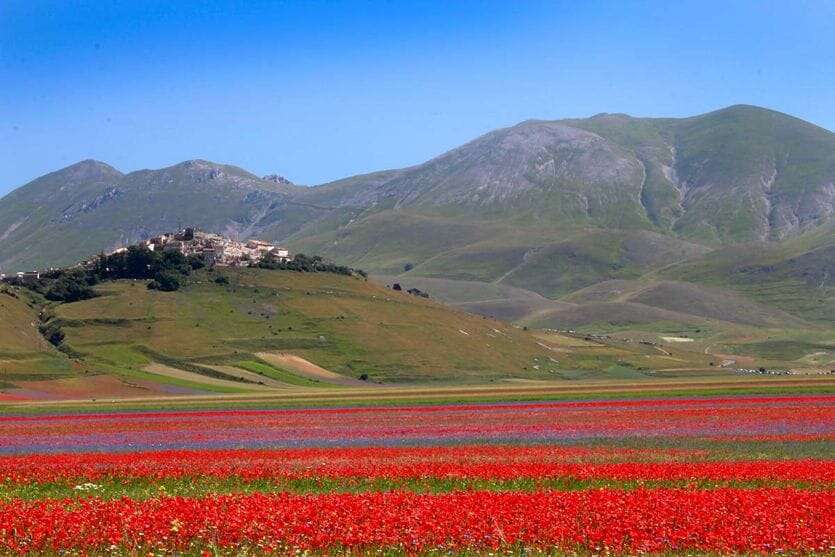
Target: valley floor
x: 505, y: 391
x: 721, y: 474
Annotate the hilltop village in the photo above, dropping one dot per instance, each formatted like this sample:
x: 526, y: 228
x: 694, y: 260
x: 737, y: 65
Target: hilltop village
x: 213, y: 249
x: 167, y: 261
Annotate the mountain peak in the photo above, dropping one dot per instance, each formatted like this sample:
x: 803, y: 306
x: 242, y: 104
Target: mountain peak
x: 82, y: 172
x: 620, y: 116
x: 278, y: 179
x: 752, y: 111
x: 89, y: 168
x: 207, y: 169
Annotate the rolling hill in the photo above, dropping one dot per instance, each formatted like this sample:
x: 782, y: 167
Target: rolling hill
x: 263, y: 330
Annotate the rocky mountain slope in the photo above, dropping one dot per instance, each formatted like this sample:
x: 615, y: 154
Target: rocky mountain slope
x: 738, y: 174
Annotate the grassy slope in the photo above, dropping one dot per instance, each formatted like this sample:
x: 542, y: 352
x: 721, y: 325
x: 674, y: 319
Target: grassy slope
x: 797, y: 276
x: 24, y: 354
x: 343, y: 324
x: 743, y: 144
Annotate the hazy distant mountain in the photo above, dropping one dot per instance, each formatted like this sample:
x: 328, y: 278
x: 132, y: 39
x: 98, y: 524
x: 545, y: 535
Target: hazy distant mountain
x: 547, y: 208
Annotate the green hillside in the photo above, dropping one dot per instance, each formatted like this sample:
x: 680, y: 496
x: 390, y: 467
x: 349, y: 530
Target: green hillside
x: 24, y: 353
x: 342, y: 324
x: 797, y: 276
x: 719, y: 222
x: 280, y: 329
x: 260, y: 330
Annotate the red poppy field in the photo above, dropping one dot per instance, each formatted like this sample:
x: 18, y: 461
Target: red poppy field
x: 721, y: 475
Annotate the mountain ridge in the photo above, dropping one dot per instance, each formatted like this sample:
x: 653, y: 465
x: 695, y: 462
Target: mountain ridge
x: 611, y: 169
x: 549, y: 207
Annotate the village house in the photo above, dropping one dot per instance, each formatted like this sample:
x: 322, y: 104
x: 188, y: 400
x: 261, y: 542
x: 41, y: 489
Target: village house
x: 213, y: 248
x: 21, y: 277
x: 216, y: 249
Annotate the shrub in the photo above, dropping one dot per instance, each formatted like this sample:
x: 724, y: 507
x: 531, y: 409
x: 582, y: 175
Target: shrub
x: 196, y: 262
x: 69, y: 287
x: 165, y: 281
x: 53, y: 333
x: 308, y: 264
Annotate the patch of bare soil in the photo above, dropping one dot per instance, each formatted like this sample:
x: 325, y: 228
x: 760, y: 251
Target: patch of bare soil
x: 305, y: 368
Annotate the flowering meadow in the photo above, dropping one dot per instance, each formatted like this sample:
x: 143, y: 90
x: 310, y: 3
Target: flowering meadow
x: 713, y: 475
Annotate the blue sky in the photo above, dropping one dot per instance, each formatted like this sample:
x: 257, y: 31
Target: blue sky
x: 322, y: 90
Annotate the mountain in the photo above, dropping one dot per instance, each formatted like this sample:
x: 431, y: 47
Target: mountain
x: 80, y: 210
x: 534, y: 216
x: 738, y: 174
x: 741, y: 173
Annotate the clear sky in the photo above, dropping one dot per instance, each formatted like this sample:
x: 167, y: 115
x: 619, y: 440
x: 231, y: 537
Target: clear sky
x: 321, y: 90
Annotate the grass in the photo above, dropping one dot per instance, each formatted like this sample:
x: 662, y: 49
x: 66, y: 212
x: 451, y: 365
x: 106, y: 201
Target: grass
x: 353, y: 327
x: 794, y: 276
x: 340, y: 323
x: 24, y: 353
x: 794, y: 349
x: 284, y: 376
x: 141, y: 489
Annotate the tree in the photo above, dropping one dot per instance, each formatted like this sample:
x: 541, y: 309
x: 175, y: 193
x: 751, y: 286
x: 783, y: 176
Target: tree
x: 70, y: 287
x: 139, y: 262
x: 165, y: 281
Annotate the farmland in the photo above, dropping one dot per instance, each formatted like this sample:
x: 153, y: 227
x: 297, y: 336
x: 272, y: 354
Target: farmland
x: 259, y: 412
x: 606, y: 474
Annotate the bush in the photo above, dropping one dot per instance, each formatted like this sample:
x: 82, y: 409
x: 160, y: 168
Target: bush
x: 308, y: 264
x: 53, y: 333
x: 69, y: 287
x: 221, y: 280
x: 196, y: 262
x: 165, y: 281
